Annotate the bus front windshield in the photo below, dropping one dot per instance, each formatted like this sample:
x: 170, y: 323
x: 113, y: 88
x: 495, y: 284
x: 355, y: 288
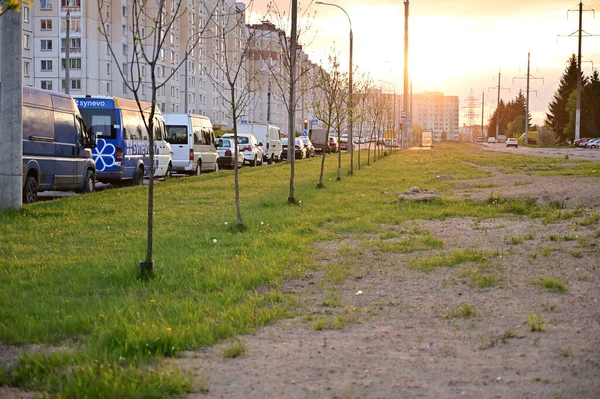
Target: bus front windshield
x: 102, y: 122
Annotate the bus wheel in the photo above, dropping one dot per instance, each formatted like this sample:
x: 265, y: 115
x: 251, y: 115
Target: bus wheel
x: 138, y: 178
x: 198, y: 168
x: 89, y: 184
x: 30, y: 190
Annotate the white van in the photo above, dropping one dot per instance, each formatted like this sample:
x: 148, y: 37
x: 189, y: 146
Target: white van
x: 267, y: 135
x: 193, y: 143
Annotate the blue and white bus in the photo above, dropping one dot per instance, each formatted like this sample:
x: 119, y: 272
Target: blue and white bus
x: 122, y: 152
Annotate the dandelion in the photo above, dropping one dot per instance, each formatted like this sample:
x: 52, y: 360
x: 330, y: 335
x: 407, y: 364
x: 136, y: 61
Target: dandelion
x: 152, y: 301
x: 262, y: 223
x: 225, y: 223
x: 169, y: 329
x: 214, y: 240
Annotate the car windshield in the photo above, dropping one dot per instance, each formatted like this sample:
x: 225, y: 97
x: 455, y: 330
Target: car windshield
x: 284, y: 141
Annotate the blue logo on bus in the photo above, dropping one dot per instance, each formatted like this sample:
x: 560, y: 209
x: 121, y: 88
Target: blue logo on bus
x: 95, y: 103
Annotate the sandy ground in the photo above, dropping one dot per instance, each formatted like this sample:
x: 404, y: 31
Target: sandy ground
x: 398, y: 333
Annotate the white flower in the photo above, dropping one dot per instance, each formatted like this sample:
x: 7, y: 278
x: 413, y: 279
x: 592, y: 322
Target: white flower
x: 262, y: 223
x: 225, y: 223
x: 214, y: 240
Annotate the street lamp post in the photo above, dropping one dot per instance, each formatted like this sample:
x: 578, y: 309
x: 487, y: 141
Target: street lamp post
x: 350, y: 109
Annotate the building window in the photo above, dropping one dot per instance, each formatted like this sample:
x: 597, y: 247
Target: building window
x: 125, y: 90
x: 75, y: 84
x: 27, y: 68
x: 124, y: 49
x: 47, y: 84
x: 108, y: 68
x: 107, y: 87
x: 75, y: 25
x: 26, y: 14
x: 46, y: 24
x: 70, y: 3
x: 46, y: 65
x: 46, y: 45
x: 75, y: 63
x: 45, y: 5
x: 26, y: 39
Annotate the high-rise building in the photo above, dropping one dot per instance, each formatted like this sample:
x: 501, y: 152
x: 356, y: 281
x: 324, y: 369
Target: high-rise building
x: 436, y: 112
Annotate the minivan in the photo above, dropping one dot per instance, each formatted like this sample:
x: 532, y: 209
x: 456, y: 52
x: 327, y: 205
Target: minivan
x: 56, y: 147
x: 193, y: 143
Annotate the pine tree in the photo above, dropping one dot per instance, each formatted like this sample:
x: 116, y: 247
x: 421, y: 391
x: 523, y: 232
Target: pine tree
x: 558, y: 116
x: 590, y: 106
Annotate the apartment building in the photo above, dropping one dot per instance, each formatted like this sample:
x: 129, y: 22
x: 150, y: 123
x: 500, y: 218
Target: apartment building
x: 101, y: 48
x: 436, y: 112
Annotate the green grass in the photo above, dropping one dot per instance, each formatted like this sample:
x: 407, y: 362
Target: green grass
x: 535, y: 322
x: 463, y: 310
x: 234, y: 349
x: 449, y: 259
x: 69, y: 267
x: 552, y: 284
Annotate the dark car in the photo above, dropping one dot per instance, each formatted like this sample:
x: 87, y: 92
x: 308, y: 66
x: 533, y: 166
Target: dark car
x: 226, y: 150
x: 310, y: 148
x: 299, y: 148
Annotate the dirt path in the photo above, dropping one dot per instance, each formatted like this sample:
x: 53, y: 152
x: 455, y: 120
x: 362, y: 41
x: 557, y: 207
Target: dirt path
x: 390, y: 331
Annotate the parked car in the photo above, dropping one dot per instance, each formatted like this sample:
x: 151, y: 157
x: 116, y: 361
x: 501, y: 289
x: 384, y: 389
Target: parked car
x: 343, y: 144
x: 593, y: 143
x: 491, y: 140
x: 300, y: 151
x: 333, y: 144
x: 577, y: 143
x: 226, y: 150
x: 267, y: 135
x: 310, y: 148
x: 512, y: 142
x: 479, y: 140
x: 253, y: 152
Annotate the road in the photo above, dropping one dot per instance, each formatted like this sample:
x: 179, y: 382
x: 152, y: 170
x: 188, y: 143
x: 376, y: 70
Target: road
x: 572, y: 152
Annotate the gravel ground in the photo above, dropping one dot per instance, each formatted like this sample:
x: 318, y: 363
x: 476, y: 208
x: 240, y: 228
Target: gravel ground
x: 396, y: 332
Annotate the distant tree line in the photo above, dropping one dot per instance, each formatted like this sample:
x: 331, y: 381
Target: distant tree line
x: 510, y: 117
x: 560, y: 118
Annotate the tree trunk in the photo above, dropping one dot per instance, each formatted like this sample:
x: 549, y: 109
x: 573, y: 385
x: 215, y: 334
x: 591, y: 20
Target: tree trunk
x: 236, y: 181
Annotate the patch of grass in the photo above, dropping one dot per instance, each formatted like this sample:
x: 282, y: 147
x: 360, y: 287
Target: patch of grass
x: 333, y: 300
x: 463, y: 310
x: 337, y: 272
x: 234, y: 349
x: 485, y: 185
x: 535, y: 322
x: 569, y: 237
x: 522, y: 183
x: 589, y: 220
x: 501, y: 339
x: 597, y: 234
x: 408, y: 245
x: 547, y: 251
x: 449, y: 259
x: 515, y: 240
x: 333, y: 322
x: 550, y: 307
x: 479, y: 277
x: 552, y: 284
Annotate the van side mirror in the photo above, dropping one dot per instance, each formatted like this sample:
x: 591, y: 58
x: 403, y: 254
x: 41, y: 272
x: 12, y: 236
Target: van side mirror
x: 260, y: 144
x: 92, y: 140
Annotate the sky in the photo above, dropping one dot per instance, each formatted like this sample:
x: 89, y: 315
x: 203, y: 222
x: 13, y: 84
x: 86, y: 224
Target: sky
x: 459, y: 46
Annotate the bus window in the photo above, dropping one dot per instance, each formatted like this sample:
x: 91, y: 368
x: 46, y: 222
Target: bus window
x: 199, y: 137
x: 100, y: 121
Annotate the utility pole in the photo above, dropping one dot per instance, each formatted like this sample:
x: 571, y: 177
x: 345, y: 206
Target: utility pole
x: 471, y: 113
x: 405, y: 97
x: 528, y: 77
x: 579, y: 32
x: 292, y: 100
x: 482, y: 111
x: 499, y: 87
x: 11, y: 111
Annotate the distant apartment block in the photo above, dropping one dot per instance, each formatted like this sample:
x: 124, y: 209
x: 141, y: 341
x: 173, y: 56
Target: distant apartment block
x: 94, y: 70
x: 436, y: 112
